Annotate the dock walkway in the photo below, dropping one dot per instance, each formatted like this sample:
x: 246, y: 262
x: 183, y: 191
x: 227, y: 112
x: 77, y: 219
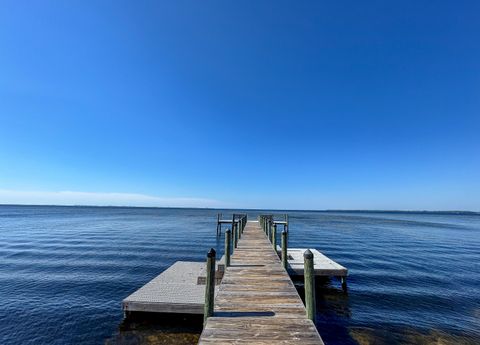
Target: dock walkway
x: 257, y: 302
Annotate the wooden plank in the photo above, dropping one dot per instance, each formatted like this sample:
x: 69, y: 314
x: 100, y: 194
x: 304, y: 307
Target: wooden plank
x: 257, y: 302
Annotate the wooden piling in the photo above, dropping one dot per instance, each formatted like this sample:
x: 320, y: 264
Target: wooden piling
x: 228, y: 246
x: 239, y: 235
x: 284, y: 249
x: 309, y: 285
x: 240, y: 225
x: 344, y: 283
x: 235, y: 237
x: 270, y: 230
x: 210, y: 285
x: 274, y: 237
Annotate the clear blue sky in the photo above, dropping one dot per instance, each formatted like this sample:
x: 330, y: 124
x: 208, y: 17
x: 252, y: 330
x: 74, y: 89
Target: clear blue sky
x: 298, y: 104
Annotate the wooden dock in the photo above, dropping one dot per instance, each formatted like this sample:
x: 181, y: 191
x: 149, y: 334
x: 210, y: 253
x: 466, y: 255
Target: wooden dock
x: 256, y: 302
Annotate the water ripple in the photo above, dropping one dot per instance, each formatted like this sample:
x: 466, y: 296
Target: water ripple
x: 65, y: 270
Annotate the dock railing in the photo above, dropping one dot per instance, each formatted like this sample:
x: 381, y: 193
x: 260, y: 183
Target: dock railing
x: 269, y: 226
x: 237, y: 221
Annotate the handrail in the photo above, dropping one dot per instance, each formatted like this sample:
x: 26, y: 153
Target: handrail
x: 236, y: 219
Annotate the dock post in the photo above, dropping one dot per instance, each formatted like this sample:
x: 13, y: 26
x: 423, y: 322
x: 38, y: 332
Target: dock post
x: 235, y: 237
x: 284, y: 249
x: 309, y: 285
x: 344, y: 283
x: 274, y: 237
x: 228, y: 246
x: 267, y: 231
x: 270, y: 230
x: 234, y: 232
x: 238, y: 233
x: 210, y: 286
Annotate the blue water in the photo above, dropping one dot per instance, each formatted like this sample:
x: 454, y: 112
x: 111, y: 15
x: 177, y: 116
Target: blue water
x: 414, y: 278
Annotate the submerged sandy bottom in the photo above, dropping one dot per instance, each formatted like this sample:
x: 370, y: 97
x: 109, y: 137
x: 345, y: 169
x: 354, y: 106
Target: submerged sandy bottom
x: 360, y: 336
x: 365, y: 336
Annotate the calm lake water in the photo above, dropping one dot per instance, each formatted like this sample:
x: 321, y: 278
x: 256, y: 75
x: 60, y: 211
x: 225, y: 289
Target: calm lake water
x: 414, y: 278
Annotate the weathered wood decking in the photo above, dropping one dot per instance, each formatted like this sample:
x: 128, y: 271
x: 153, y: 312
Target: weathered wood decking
x: 324, y: 266
x: 257, y: 302
x: 176, y: 290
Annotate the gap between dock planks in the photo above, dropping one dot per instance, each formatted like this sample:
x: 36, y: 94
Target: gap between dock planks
x: 257, y: 302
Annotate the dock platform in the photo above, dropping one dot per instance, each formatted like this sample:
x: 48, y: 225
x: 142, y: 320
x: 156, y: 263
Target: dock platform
x: 257, y: 302
x: 181, y: 287
x: 323, y: 265
x: 176, y: 290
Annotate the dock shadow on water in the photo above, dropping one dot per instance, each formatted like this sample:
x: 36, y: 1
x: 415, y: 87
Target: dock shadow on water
x: 158, y: 329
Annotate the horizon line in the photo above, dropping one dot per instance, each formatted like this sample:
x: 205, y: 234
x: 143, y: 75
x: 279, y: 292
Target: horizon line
x: 254, y: 209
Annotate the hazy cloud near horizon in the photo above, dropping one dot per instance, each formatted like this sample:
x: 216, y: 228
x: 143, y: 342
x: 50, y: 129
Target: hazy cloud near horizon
x: 323, y: 202
x: 100, y: 199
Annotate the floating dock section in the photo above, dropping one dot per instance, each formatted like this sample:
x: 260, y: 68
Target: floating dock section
x: 179, y: 289
x: 323, y: 266
x: 174, y: 291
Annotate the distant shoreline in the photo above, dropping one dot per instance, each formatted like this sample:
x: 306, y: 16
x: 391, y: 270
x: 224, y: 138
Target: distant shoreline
x: 451, y: 212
